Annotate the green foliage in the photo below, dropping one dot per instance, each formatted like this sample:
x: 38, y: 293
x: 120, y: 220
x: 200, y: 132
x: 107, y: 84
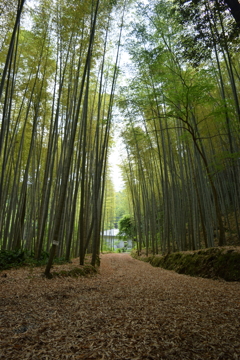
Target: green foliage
x: 210, y: 263
x: 121, y: 204
x: 11, y: 258
x: 17, y: 258
x: 126, y: 228
x: 205, y: 19
x: 106, y: 248
x: 221, y: 159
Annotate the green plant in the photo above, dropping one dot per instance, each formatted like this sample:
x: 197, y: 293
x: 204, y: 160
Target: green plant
x: 11, y: 258
x: 16, y: 258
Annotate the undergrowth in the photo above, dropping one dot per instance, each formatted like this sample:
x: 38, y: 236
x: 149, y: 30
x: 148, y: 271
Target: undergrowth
x: 17, y: 258
x: 76, y: 272
x: 211, y: 263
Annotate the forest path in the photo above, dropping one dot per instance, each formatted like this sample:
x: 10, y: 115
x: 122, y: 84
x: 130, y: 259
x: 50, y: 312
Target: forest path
x: 129, y: 311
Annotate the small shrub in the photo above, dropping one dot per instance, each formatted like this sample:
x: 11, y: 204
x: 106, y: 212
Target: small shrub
x: 11, y: 258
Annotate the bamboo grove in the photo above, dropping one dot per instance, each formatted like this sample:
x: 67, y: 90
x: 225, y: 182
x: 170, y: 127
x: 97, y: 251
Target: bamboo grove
x: 58, y: 77
x: 59, y: 62
x: 181, y: 132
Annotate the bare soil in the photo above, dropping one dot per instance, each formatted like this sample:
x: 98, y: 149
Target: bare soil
x: 129, y: 311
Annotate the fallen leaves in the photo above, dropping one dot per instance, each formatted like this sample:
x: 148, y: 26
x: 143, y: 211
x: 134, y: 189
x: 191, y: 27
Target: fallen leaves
x: 128, y: 311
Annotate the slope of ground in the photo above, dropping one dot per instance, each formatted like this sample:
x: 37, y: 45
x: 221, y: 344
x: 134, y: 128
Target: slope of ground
x: 129, y: 311
x: 214, y: 263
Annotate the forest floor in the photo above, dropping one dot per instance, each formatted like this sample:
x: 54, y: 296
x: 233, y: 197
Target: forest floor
x: 129, y: 310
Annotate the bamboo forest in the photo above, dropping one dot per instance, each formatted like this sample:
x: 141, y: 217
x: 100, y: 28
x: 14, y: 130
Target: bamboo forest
x: 119, y: 179
x: 164, y: 75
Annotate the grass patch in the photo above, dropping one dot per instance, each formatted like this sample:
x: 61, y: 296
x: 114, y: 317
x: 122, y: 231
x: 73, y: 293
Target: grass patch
x: 214, y: 263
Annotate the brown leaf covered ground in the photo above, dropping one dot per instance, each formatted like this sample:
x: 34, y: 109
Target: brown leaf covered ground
x: 129, y: 311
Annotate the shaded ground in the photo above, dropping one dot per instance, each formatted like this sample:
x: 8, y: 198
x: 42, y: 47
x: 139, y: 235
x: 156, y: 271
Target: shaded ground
x: 213, y: 263
x: 129, y: 311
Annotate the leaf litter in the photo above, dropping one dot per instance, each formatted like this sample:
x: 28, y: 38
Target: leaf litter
x: 129, y: 311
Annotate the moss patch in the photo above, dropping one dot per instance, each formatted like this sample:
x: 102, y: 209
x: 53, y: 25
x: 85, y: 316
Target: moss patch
x: 211, y: 263
x: 76, y: 272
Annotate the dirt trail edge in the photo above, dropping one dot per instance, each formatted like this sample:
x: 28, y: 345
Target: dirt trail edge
x: 129, y: 311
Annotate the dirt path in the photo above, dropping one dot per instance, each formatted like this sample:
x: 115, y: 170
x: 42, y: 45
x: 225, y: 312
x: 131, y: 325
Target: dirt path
x: 129, y: 311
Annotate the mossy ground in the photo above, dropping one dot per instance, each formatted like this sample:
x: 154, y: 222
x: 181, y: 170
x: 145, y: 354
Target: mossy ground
x: 76, y: 272
x: 214, y: 263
